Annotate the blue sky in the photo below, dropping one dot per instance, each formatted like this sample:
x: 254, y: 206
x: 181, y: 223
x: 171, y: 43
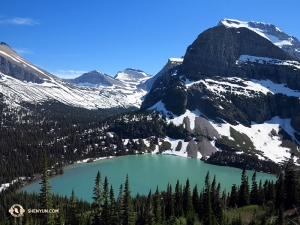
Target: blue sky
x: 68, y: 38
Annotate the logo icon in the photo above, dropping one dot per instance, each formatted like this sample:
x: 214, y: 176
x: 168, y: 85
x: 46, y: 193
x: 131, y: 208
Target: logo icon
x: 16, y: 210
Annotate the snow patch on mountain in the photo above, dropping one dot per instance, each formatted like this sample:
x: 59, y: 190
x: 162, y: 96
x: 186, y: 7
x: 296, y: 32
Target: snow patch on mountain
x: 257, y: 27
x: 240, y: 86
x: 16, y: 91
x: 132, y: 77
x: 260, y: 134
x: 268, y: 61
x: 262, y: 138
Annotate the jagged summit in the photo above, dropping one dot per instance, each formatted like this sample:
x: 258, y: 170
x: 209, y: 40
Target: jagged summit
x: 269, y: 31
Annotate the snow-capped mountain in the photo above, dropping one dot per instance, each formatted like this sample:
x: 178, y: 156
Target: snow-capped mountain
x: 22, y: 82
x: 132, y: 77
x: 269, y: 31
x: 235, y: 90
x: 94, y: 78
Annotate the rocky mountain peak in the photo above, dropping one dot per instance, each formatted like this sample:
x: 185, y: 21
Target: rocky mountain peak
x: 94, y: 78
x: 269, y: 31
x: 132, y: 77
x: 215, y: 52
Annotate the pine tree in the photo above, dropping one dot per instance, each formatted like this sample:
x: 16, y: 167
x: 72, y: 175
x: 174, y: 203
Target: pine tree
x: 157, y: 211
x: 112, y: 207
x: 290, y: 184
x: 169, y: 209
x: 280, y: 192
x: 119, y: 204
x: 45, y: 196
x: 105, y: 218
x: 254, y: 190
x: 178, y: 200
x: 187, y: 198
x: 72, y: 211
x: 233, y: 196
x: 243, y: 199
x: 149, y: 209
x: 195, y: 199
x: 128, y: 216
x: 208, y: 215
x: 98, y: 200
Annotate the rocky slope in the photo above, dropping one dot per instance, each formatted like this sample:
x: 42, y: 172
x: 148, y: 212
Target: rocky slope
x: 237, y: 80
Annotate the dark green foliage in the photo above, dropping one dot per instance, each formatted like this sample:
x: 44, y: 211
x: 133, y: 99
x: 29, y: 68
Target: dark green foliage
x: 105, y: 215
x: 157, y: 211
x: 243, y: 199
x: 72, y: 211
x: 46, y: 195
x: 165, y: 145
x: 178, y: 199
x: 98, y: 200
x: 127, y: 213
x: 254, y: 191
x: 226, y: 158
x: 179, y: 146
x: 187, y: 198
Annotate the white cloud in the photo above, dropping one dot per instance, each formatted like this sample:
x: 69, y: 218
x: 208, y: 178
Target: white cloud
x: 68, y: 74
x: 23, y: 51
x: 19, y: 21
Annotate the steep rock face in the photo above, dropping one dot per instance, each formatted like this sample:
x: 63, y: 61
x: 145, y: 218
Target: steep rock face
x: 215, y: 51
x: 172, y: 62
x: 17, y: 67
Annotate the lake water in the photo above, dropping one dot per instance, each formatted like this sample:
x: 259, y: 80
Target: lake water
x: 145, y: 172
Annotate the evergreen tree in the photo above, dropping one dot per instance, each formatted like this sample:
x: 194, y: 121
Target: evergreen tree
x: 119, y: 205
x: 169, y: 209
x: 72, y: 211
x: 105, y: 217
x: 112, y: 207
x: 149, y: 209
x: 98, y: 200
x: 233, y: 196
x: 261, y: 194
x: 280, y: 192
x: 208, y: 215
x: 254, y: 190
x: 157, y: 211
x: 128, y: 216
x: 46, y: 195
x: 187, y: 204
x: 195, y: 199
x: 178, y: 200
x: 290, y: 184
x: 243, y: 199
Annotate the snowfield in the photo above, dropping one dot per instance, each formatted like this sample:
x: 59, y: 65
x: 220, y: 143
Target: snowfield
x: 231, y: 23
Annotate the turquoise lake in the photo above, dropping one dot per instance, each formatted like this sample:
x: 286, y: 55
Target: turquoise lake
x: 145, y: 172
